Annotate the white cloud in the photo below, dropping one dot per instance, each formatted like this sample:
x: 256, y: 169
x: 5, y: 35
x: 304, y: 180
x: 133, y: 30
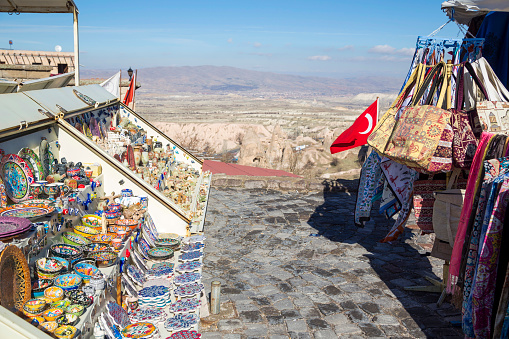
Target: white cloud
x: 346, y: 48
x: 319, y: 57
x: 386, y: 49
x: 257, y: 44
x: 230, y: 41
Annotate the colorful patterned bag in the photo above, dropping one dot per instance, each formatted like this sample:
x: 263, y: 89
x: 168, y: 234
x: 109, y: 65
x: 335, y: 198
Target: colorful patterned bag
x: 423, y: 137
x: 382, y: 132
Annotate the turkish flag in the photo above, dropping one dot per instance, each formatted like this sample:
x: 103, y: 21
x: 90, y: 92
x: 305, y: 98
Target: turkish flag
x: 357, y: 134
x: 129, y: 95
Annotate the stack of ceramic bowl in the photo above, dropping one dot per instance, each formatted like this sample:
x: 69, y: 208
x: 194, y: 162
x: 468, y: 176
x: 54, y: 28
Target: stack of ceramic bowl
x: 151, y: 314
x: 97, y: 281
x: 155, y: 296
x: 34, y: 307
x: 39, y: 286
x: 66, y: 251
x: 48, y: 268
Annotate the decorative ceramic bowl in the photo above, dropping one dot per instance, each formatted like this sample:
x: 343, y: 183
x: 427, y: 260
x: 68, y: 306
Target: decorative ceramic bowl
x: 91, y: 220
x: 52, y: 314
x: 64, y: 263
x: 160, y: 253
x: 65, y: 332
x: 78, y: 297
x: 75, y: 309
x: 62, y: 304
x: 39, y: 286
x: 85, y: 270
x: 111, y: 215
x: 84, y: 260
x: 86, y: 231
x: 131, y: 223
x: 115, y: 207
x: 67, y: 319
x: 104, y: 258
x: 66, y: 251
x: 116, y: 243
x: 74, y: 239
x: 54, y: 293
x: 50, y: 326
x: 168, y: 242
x: 102, y: 238
x: 48, y: 268
x: 114, y: 229
x: 67, y: 282
x: 35, y: 306
x: 95, y: 247
x: 32, y: 315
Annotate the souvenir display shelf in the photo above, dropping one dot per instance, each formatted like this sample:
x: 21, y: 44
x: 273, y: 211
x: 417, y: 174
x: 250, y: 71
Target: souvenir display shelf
x: 62, y: 140
x: 106, y: 112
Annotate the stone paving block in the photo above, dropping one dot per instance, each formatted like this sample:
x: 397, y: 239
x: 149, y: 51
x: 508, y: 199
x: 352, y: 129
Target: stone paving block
x: 296, y: 325
x: 212, y: 335
x: 284, y: 304
x: 347, y: 328
x: 324, y: 334
x: 370, y: 330
x: 384, y: 319
x: 229, y: 324
x: 328, y: 308
x: 299, y: 335
x: 256, y: 330
x: 251, y: 316
x: 231, y: 336
x: 317, y: 324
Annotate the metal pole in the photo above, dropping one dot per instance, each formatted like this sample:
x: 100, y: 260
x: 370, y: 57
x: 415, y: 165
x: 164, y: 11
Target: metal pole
x: 215, y: 297
x: 76, y: 48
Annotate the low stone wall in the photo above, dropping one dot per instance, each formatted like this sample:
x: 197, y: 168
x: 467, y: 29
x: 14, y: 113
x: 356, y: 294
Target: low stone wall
x: 285, y: 183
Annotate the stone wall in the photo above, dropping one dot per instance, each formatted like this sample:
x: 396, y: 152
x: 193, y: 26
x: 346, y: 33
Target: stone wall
x: 285, y: 183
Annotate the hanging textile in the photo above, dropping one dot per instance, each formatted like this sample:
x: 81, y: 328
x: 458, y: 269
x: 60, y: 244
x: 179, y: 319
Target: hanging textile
x: 472, y: 184
x: 370, y: 176
x: 389, y: 205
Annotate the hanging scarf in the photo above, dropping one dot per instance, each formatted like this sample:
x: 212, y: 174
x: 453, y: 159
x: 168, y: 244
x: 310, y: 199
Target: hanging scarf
x: 466, y: 211
x: 370, y: 176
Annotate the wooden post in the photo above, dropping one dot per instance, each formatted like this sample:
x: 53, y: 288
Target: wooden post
x: 119, y: 289
x: 76, y: 48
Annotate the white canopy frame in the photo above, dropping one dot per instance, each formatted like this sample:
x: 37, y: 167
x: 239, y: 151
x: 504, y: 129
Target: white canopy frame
x: 463, y: 11
x: 49, y: 6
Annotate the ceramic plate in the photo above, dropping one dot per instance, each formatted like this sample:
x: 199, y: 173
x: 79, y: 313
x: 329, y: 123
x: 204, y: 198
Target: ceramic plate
x: 139, y: 330
x: 26, y: 210
x: 160, y: 252
x: 185, y: 335
x: 187, y: 278
x: 188, y: 289
x: 33, y: 162
x: 118, y: 314
x: 17, y: 177
x: 10, y: 226
x: 3, y: 194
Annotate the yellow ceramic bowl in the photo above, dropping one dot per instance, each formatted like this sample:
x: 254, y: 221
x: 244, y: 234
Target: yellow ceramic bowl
x: 65, y: 332
x: 50, y: 326
x: 86, y: 231
x: 53, y: 294
x: 52, y: 314
x: 91, y: 220
x: 103, y: 238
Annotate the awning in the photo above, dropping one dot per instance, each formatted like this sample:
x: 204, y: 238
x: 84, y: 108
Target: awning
x: 7, y: 86
x: 37, y: 6
x: 462, y: 11
x: 52, y: 82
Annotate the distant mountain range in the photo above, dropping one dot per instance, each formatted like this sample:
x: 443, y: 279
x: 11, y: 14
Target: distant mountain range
x: 218, y: 80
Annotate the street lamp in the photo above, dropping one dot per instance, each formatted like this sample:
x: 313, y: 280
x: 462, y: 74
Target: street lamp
x: 130, y: 72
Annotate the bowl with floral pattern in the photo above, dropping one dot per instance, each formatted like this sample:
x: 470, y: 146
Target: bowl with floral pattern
x: 95, y: 247
x: 67, y: 282
x: 54, y: 293
x: 67, y: 319
x: 91, y: 220
x: 48, y: 268
x: 74, y: 239
x: 86, y: 231
x: 131, y: 223
x: 102, y: 238
x: 52, y: 314
x: 65, y: 332
x: 78, y: 297
x: 62, y: 304
x: 85, y: 270
x: 49, y: 326
x: 66, y: 251
x: 75, y: 309
x: 104, y: 258
x: 39, y: 286
x: 35, y: 306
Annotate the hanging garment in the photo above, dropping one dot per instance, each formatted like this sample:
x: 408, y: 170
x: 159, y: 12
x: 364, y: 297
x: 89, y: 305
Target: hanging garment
x: 502, y: 316
x: 484, y: 290
x: 472, y: 184
x: 389, y: 205
x: 370, y: 176
x: 495, y: 172
x: 495, y: 31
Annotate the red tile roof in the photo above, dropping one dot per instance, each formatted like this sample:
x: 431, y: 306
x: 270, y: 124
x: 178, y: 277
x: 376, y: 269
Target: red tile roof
x: 217, y: 167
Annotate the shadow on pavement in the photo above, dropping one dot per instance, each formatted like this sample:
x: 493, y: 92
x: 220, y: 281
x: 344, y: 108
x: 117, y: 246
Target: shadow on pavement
x: 398, y: 265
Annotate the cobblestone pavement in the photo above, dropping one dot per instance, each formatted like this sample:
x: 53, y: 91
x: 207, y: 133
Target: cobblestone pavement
x: 292, y: 265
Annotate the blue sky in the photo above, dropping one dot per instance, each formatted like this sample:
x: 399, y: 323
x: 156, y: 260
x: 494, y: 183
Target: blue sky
x: 326, y: 38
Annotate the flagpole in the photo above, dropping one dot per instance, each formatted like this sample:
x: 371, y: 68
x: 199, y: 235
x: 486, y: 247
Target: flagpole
x: 120, y: 86
x: 377, y: 108
x: 134, y: 89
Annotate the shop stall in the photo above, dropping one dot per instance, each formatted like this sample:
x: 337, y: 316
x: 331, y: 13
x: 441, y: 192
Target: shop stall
x: 87, y: 248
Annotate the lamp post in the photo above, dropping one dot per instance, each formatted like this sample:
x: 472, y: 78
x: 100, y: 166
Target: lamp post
x: 130, y: 73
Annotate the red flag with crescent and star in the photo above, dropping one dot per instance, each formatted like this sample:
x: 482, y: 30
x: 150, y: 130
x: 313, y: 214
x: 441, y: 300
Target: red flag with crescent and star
x: 357, y: 134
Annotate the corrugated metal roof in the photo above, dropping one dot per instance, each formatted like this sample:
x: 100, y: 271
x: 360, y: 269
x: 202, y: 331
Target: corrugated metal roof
x: 17, y: 107
x: 217, y: 167
x: 37, y: 6
x: 67, y: 99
